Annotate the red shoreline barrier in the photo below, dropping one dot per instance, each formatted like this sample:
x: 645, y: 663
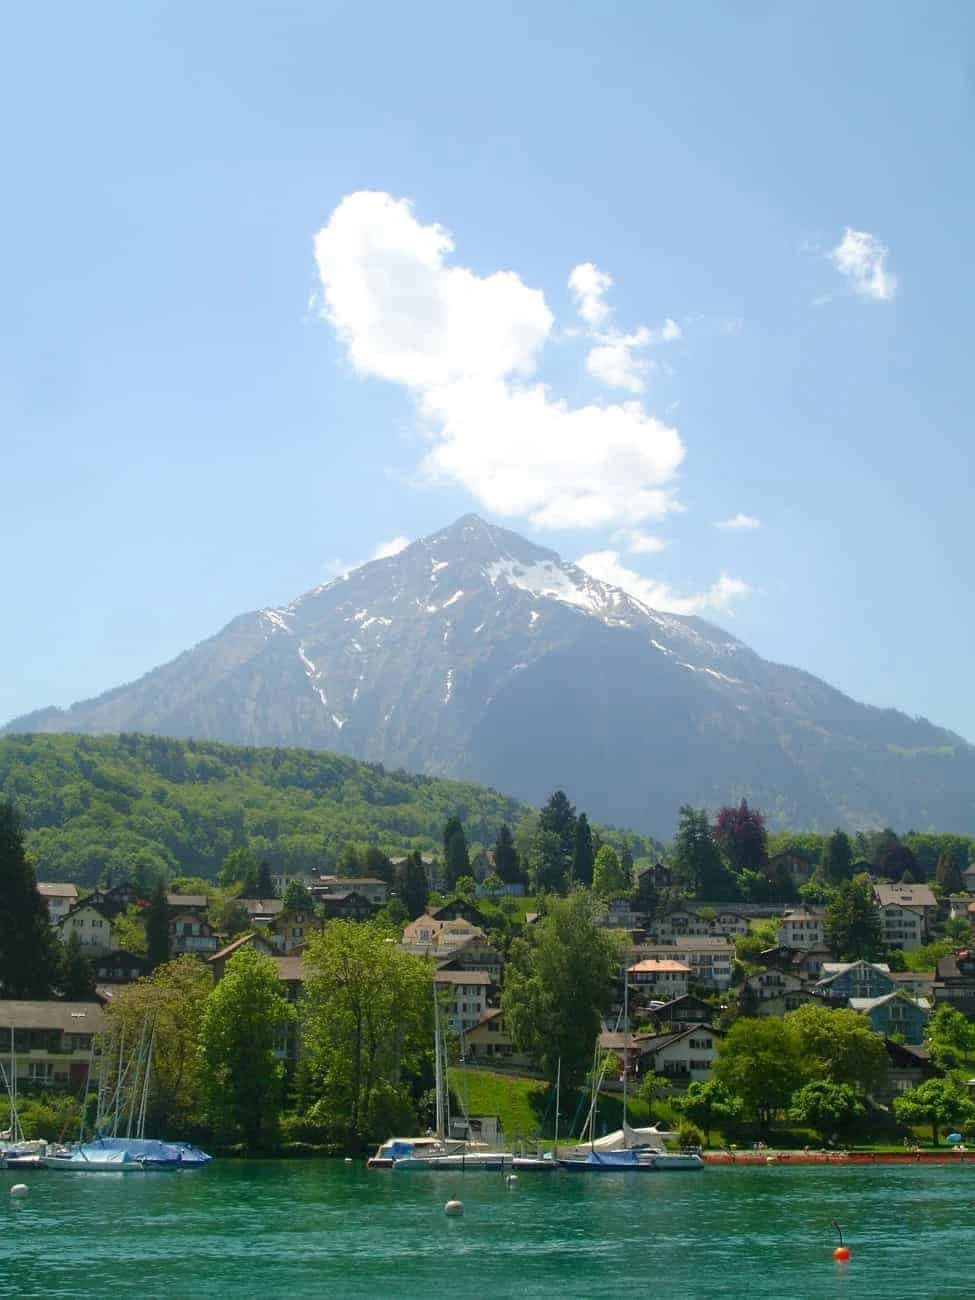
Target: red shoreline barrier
x: 836, y: 1157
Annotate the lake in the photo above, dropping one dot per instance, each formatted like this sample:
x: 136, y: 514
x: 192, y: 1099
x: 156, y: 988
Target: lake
x: 318, y: 1228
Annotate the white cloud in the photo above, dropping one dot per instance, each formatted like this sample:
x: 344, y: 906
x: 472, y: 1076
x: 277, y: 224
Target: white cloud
x: 466, y: 346
x: 739, y: 522
x: 862, y: 258
x: 638, y: 542
x: 608, y: 567
x: 613, y: 360
x: 589, y: 287
x: 393, y: 547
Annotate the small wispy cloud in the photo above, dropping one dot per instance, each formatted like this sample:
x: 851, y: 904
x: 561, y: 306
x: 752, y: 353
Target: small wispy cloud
x: 615, y: 358
x: 862, y: 259
x: 638, y: 542
x: 719, y: 597
x: 393, y: 547
x: 739, y: 523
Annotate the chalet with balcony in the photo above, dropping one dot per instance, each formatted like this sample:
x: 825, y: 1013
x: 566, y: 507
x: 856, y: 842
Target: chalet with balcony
x: 52, y: 1041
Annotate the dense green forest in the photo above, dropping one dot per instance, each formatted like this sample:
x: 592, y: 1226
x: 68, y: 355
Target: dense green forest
x: 131, y: 805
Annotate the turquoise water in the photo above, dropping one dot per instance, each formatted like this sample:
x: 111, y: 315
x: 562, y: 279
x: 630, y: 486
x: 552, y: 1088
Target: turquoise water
x: 322, y: 1228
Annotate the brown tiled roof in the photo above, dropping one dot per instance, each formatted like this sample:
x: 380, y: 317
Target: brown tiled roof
x: 462, y: 977
x: 55, y: 889
x: 231, y: 947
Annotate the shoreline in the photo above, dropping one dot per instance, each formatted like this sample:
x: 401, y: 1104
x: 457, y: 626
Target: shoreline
x: 738, y: 1158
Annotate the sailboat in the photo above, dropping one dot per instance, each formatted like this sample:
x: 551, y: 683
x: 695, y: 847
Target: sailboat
x: 111, y: 1151
x: 16, y: 1152
x: 544, y: 1164
x: 438, y: 1150
x: 636, y: 1150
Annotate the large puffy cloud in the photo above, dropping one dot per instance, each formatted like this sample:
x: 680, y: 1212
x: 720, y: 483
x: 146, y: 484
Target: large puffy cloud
x: 467, y: 347
x: 862, y: 258
x: 718, y: 598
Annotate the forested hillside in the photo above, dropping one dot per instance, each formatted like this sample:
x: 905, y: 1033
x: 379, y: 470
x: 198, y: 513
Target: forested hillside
x: 130, y: 805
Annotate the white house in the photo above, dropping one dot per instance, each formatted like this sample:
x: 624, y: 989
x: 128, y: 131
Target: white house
x: 687, y: 1054
x: 468, y: 993
x: 663, y: 976
x: 93, y: 928
x: 802, y: 928
x: 60, y: 898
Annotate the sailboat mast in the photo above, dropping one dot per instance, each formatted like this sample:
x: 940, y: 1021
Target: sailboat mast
x: 558, y: 1090
x: 437, y: 1064
x: 626, y: 1037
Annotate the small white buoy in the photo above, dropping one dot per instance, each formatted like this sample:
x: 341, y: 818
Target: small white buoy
x: 511, y: 1179
x: 454, y: 1207
x: 19, y: 1189
x: 348, y: 1160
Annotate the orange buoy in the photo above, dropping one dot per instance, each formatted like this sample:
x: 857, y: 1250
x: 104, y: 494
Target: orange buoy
x: 841, y: 1254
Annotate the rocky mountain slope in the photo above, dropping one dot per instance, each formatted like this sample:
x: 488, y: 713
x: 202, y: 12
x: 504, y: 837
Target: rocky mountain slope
x: 474, y: 653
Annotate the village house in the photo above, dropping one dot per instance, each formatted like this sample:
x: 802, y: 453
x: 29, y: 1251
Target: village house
x: 802, y: 928
x: 91, y: 925
x: 710, y: 960
x: 51, y: 1040
x: 685, y: 1010
x: 895, y: 1012
x: 119, y: 967
x: 788, y: 864
x: 772, y: 985
x: 291, y: 929
x: 968, y: 878
x: 261, y: 911
x: 919, y: 983
x: 113, y: 900
x: 459, y: 909
x: 467, y: 994
x: 839, y: 981
x: 60, y: 898
x: 218, y: 961
x: 191, y: 932
x: 687, y: 922
x: 907, y: 1066
x: 464, y: 946
x: 685, y: 1056
x: 371, y: 888
x: 181, y: 904
x: 809, y: 965
x: 955, y: 982
x: 662, y: 977
x: 345, y: 905
x: 489, y: 1043
x: 907, y: 913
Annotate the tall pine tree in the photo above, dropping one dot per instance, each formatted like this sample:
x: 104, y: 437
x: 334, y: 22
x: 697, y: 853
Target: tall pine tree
x: 157, y: 926
x: 506, y: 862
x: 29, y: 956
x: 457, y: 862
x: 583, y: 854
x: 411, y: 885
x: 947, y: 875
x: 77, y: 977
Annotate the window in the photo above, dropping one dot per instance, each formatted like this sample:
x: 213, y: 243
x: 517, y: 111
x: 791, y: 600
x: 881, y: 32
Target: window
x: 40, y: 1071
x: 701, y: 1044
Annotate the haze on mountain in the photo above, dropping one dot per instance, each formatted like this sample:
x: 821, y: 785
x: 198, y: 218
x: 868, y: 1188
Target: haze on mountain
x: 476, y: 654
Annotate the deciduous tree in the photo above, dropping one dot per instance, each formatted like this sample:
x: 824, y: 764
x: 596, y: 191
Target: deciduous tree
x: 367, y: 1023
x: 839, y: 1046
x: 759, y: 1062
x: 740, y: 834
x: 825, y: 1107
x: 609, y: 880
x: 243, y: 1019
x: 937, y: 1102
x: 558, y: 982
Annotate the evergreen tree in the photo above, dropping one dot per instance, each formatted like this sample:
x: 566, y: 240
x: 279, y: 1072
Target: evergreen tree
x: 157, y: 926
x: 547, y: 863
x: 411, y: 885
x: 236, y: 867
x: 583, y: 854
x: 248, y: 884
x: 265, y: 884
x: 946, y: 874
x: 29, y: 955
x: 457, y: 861
x: 377, y: 865
x: 506, y: 862
x: 451, y: 828
x: 297, y: 897
x: 349, y: 861
x: 836, y: 863
x: 852, y: 922
x: 77, y: 977
x: 558, y: 817
x: 697, y: 861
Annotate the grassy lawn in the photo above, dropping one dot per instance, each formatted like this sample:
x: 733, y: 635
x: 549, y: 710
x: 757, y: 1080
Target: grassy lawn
x: 526, y: 1106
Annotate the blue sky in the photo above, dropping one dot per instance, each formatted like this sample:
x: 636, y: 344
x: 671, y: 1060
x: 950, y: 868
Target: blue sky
x: 198, y: 418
